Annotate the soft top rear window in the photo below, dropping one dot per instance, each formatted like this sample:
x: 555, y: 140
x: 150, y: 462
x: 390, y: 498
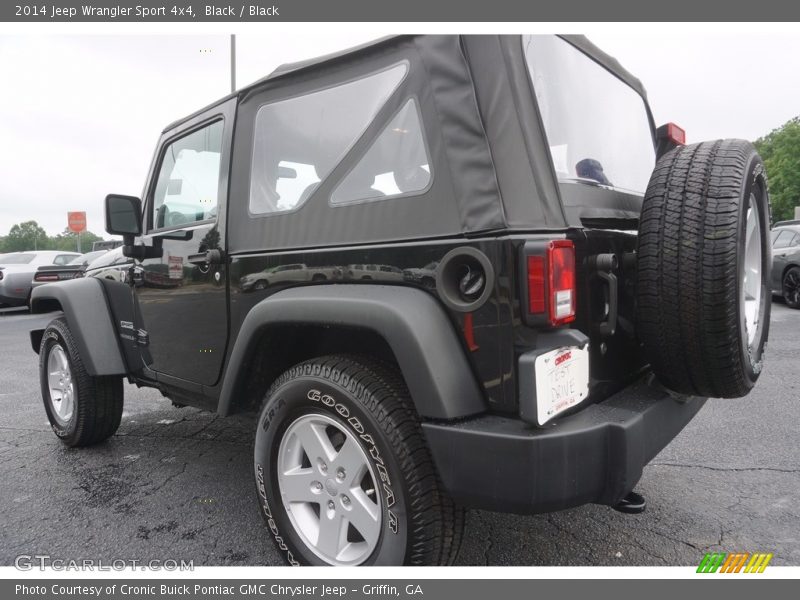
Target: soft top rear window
x: 597, y: 126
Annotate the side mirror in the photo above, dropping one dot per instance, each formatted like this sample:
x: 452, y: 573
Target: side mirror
x: 669, y: 136
x: 124, y: 217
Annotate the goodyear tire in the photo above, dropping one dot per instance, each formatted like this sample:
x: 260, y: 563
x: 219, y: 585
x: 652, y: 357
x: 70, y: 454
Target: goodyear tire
x: 343, y: 474
x: 82, y: 409
x: 703, y: 269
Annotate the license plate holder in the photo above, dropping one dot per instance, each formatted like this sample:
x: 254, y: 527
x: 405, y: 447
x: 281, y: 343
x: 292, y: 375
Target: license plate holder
x: 562, y: 380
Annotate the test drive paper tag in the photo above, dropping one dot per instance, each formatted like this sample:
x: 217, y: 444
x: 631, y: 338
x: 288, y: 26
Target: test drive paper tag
x: 562, y: 381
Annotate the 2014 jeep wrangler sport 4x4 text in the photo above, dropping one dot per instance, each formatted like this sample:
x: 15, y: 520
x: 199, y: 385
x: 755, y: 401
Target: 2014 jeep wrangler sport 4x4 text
x: 450, y: 271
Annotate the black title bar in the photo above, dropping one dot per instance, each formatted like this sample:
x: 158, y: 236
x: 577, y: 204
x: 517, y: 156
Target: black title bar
x: 148, y: 11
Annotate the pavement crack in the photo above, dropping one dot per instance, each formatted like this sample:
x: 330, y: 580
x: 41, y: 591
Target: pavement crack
x: 647, y: 551
x: 206, y: 426
x: 723, y: 469
x: 674, y: 539
x: 168, y: 479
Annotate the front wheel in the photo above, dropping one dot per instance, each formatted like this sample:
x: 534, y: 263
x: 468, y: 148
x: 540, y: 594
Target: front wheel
x: 791, y: 287
x: 82, y: 409
x: 343, y: 473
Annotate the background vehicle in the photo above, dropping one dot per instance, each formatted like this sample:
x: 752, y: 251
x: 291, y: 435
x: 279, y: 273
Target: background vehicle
x: 562, y: 294
x: 112, y: 265
x: 785, y: 279
x: 425, y: 275
x: 374, y: 272
x: 75, y: 268
x: 18, y: 268
x: 287, y: 274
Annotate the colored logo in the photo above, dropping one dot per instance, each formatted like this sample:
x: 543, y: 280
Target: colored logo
x: 734, y: 562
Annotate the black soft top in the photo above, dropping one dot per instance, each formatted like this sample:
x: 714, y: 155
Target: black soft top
x: 489, y: 154
x: 579, y: 41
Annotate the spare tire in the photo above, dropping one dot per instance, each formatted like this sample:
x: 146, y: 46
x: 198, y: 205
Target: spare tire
x: 703, y: 297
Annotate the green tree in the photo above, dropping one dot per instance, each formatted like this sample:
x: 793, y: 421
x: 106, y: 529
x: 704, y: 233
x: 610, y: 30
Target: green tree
x: 780, y: 150
x: 68, y: 240
x: 26, y: 236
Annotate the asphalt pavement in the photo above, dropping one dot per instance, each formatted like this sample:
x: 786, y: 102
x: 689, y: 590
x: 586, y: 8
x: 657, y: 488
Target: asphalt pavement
x: 177, y: 483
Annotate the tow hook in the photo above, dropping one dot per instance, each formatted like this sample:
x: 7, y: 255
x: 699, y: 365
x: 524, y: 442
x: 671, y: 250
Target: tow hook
x: 632, y: 504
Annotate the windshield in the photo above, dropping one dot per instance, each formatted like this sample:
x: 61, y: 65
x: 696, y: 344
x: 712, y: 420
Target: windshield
x: 16, y: 259
x: 597, y: 126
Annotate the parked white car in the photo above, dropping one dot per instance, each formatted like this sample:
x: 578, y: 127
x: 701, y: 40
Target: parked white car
x: 18, y: 268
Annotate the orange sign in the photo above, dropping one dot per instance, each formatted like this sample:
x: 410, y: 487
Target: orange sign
x: 76, y: 221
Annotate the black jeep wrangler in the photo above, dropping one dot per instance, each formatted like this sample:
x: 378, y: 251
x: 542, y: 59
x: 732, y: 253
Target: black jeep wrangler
x: 450, y: 271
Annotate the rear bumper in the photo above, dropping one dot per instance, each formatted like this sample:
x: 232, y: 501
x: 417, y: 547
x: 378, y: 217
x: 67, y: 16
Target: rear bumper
x: 594, y: 456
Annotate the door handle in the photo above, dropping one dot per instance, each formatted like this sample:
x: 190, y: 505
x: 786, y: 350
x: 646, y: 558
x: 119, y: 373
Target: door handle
x: 209, y: 257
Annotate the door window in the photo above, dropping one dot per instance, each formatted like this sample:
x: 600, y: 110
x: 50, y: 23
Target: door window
x: 187, y: 188
x: 783, y: 240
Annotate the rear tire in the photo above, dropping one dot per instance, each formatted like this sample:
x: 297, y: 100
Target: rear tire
x: 703, y: 269
x: 83, y: 410
x: 365, y: 404
x: 791, y: 287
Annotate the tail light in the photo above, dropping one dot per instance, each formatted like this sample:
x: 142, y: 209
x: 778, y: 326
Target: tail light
x: 669, y: 136
x: 56, y: 276
x: 676, y: 134
x: 550, y: 275
x: 561, y: 260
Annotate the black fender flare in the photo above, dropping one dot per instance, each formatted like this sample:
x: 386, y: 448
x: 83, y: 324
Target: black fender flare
x: 421, y: 336
x: 88, y: 314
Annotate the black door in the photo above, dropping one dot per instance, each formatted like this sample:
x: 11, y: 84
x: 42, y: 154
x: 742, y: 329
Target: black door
x: 182, y: 296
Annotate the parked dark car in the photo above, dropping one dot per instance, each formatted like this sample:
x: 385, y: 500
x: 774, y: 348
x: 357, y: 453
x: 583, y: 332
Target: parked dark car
x: 786, y: 262
x: 555, y: 294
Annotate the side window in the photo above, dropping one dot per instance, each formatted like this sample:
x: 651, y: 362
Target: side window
x: 63, y: 259
x: 188, y: 179
x: 396, y: 164
x: 298, y: 141
x: 782, y: 241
